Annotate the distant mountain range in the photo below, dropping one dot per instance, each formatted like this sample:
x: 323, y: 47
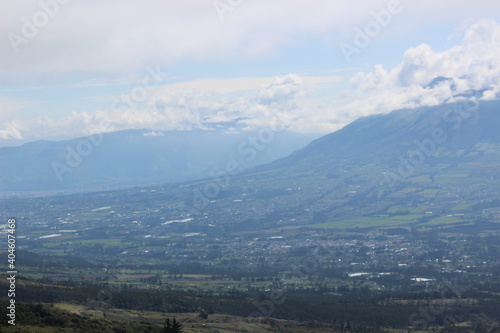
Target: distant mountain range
x: 136, y: 157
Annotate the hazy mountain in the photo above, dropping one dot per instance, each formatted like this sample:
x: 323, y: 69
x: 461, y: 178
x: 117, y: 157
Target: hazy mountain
x: 385, y: 138
x: 136, y: 157
x: 443, y: 158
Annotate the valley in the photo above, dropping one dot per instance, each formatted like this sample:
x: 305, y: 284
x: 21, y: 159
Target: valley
x: 332, y: 238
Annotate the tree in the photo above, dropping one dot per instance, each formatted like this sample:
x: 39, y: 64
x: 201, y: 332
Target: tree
x: 172, y: 326
x: 203, y: 314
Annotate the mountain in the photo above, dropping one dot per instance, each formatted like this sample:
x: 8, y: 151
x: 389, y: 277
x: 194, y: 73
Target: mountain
x: 384, y: 138
x: 413, y: 168
x: 410, y: 167
x: 131, y: 158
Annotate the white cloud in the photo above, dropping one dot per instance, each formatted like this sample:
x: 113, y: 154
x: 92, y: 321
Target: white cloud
x: 12, y: 130
x: 238, y: 84
x: 121, y: 36
x: 153, y: 133
x: 92, y: 37
x: 184, y: 109
x: 473, y: 64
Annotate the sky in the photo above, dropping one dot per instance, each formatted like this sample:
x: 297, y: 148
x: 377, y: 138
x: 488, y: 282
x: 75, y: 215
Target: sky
x: 70, y: 68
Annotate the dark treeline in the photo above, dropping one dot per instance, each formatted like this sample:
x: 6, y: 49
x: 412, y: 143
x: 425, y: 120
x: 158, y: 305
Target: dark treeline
x: 383, y: 309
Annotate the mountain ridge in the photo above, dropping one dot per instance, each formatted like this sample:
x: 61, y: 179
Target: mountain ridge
x: 391, y: 130
x: 128, y: 158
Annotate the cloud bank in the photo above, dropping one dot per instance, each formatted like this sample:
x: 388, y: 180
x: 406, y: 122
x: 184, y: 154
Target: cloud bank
x: 428, y: 77
x: 64, y: 38
x: 423, y: 77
